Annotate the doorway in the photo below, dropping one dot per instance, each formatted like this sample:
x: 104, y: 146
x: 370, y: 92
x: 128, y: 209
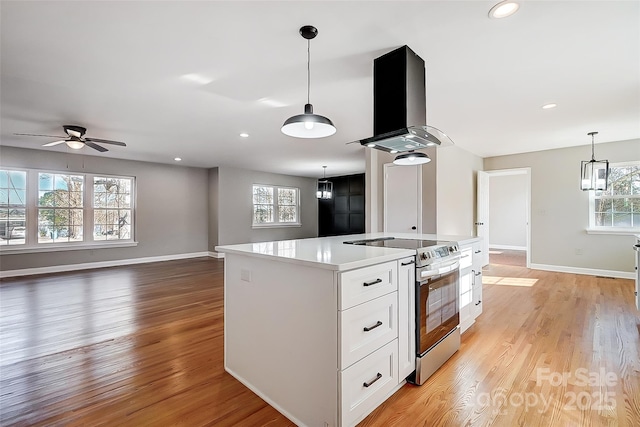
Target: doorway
x: 504, y: 212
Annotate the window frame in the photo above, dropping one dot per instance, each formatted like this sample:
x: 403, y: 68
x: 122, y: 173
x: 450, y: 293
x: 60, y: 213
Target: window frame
x: 598, y: 229
x: 276, y: 222
x: 32, y: 245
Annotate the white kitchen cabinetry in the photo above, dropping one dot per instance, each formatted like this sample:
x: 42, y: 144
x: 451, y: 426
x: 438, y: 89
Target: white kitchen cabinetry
x: 470, y: 282
x: 478, y: 261
x: 323, y: 347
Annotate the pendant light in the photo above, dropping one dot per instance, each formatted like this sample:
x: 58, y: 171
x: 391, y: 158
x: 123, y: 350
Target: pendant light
x: 308, y: 125
x: 594, y: 173
x: 325, y: 188
x: 411, y: 158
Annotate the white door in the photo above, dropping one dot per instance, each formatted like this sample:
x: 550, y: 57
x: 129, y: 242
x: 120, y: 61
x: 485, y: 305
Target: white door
x: 402, y: 198
x: 482, y: 221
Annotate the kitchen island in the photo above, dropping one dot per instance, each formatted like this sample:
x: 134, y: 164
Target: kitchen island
x: 322, y: 331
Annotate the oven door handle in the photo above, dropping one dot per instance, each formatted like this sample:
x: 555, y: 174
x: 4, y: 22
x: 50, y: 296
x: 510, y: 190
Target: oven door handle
x: 446, y: 268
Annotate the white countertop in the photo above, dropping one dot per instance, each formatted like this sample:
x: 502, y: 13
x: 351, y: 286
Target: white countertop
x: 331, y: 252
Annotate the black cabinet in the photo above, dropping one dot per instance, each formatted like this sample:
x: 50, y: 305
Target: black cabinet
x: 344, y: 213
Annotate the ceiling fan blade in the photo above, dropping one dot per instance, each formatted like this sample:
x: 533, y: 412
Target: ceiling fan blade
x: 95, y: 146
x: 106, y: 141
x: 31, y: 134
x: 51, y: 144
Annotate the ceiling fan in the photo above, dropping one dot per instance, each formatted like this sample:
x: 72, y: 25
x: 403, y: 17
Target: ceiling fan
x: 75, y: 139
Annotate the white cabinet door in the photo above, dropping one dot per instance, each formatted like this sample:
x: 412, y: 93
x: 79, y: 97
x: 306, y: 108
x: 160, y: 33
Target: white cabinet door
x: 406, y: 317
x: 478, y: 260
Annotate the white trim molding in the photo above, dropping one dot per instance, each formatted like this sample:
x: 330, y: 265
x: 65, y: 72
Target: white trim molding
x: 508, y: 247
x: 587, y: 271
x: 213, y: 254
x: 98, y: 264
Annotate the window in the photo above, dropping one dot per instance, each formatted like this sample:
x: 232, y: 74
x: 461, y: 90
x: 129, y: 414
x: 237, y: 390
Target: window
x: 13, y: 196
x: 111, y: 208
x: 617, y: 208
x: 43, y: 209
x: 275, y: 206
x: 60, y: 208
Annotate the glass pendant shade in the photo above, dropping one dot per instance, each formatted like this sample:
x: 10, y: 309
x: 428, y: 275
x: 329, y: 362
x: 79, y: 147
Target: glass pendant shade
x: 411, y: 158
x: 325, y: 189
x: 308, y: 125
x: 594, y: 174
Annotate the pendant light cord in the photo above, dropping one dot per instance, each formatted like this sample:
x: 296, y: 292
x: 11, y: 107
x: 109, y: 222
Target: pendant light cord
x: 308, y: 71
x: 593, y: 156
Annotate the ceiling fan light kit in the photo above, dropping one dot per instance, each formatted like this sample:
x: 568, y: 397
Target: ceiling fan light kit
x: 308, y: 125
x: 75, y: 139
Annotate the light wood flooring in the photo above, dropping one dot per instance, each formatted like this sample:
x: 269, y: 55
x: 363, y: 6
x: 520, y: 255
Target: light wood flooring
x: 142, y: 346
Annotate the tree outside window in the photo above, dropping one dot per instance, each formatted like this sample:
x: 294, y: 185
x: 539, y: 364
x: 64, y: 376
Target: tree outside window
x: 112, y: 208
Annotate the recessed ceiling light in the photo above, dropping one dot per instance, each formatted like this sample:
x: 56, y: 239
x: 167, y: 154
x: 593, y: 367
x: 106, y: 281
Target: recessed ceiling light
x: 244, y: 135
x: 503, y: 9
x: 197, y: 78
x: 548, y: 106
x: 178, y: 159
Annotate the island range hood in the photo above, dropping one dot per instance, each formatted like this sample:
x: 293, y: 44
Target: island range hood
x: 399, y: 105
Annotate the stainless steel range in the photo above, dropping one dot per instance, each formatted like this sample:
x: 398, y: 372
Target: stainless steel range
x: 437, y: 308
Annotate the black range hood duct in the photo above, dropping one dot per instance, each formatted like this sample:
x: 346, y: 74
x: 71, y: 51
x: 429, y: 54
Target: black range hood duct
x: 400, y: 106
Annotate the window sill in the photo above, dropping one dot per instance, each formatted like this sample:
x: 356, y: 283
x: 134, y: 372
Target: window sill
x: 7, y: 250
x: 614, y: 231
x: 278, y: 225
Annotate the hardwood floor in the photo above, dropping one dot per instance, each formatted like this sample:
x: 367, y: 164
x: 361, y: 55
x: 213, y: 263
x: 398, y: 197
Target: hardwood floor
x: 142, y: 345
x: 508, y: 257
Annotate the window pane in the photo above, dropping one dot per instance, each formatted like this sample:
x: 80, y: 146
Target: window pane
x: 45, y: 181
x: 75, y: 199
x: 287, y: 213
x: 262, y: 195
x: 286, y: 196
x: 262, y: 214
x: 13, y: 195
x: 18, y: 179
x: 621, y: 220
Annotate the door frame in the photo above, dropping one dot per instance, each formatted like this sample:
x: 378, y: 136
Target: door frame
x: 505, y: 172
x: 385, y: 169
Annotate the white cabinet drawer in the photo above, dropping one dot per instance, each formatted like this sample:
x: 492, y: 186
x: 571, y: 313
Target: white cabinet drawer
x: 368, y: 383
x: 366, y: 327
x: 364, y: 284
x: 466, y: 256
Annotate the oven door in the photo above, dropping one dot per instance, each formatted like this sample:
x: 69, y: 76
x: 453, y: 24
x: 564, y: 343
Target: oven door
x: 437, y: 308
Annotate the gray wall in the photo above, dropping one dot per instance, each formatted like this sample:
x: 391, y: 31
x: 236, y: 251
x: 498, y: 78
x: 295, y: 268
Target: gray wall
x: 171, y: 209
x: 456, y: 197
x: 508, y: 211
x: 235, y: 206
x: 560, y: 210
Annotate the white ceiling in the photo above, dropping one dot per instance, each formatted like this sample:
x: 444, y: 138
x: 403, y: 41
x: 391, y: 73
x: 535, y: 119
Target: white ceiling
x: 116, y: 68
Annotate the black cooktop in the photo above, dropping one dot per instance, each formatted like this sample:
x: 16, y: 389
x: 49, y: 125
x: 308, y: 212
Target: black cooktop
x: 392, y: 242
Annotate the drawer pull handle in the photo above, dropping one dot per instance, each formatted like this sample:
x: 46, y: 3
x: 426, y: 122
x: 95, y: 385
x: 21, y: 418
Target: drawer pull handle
x: 477, y: 273
x: 370, y: 328
x: 479, y: 302
x: 373, y: 380
x: 372, y: 283
x: 477, y: 252
x: 407, y: 263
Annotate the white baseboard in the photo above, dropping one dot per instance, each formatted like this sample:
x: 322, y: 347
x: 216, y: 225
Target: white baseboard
x: 98, y: 264
x: 587, y: 271
x: 508, y: 247
x: 216, y: 254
